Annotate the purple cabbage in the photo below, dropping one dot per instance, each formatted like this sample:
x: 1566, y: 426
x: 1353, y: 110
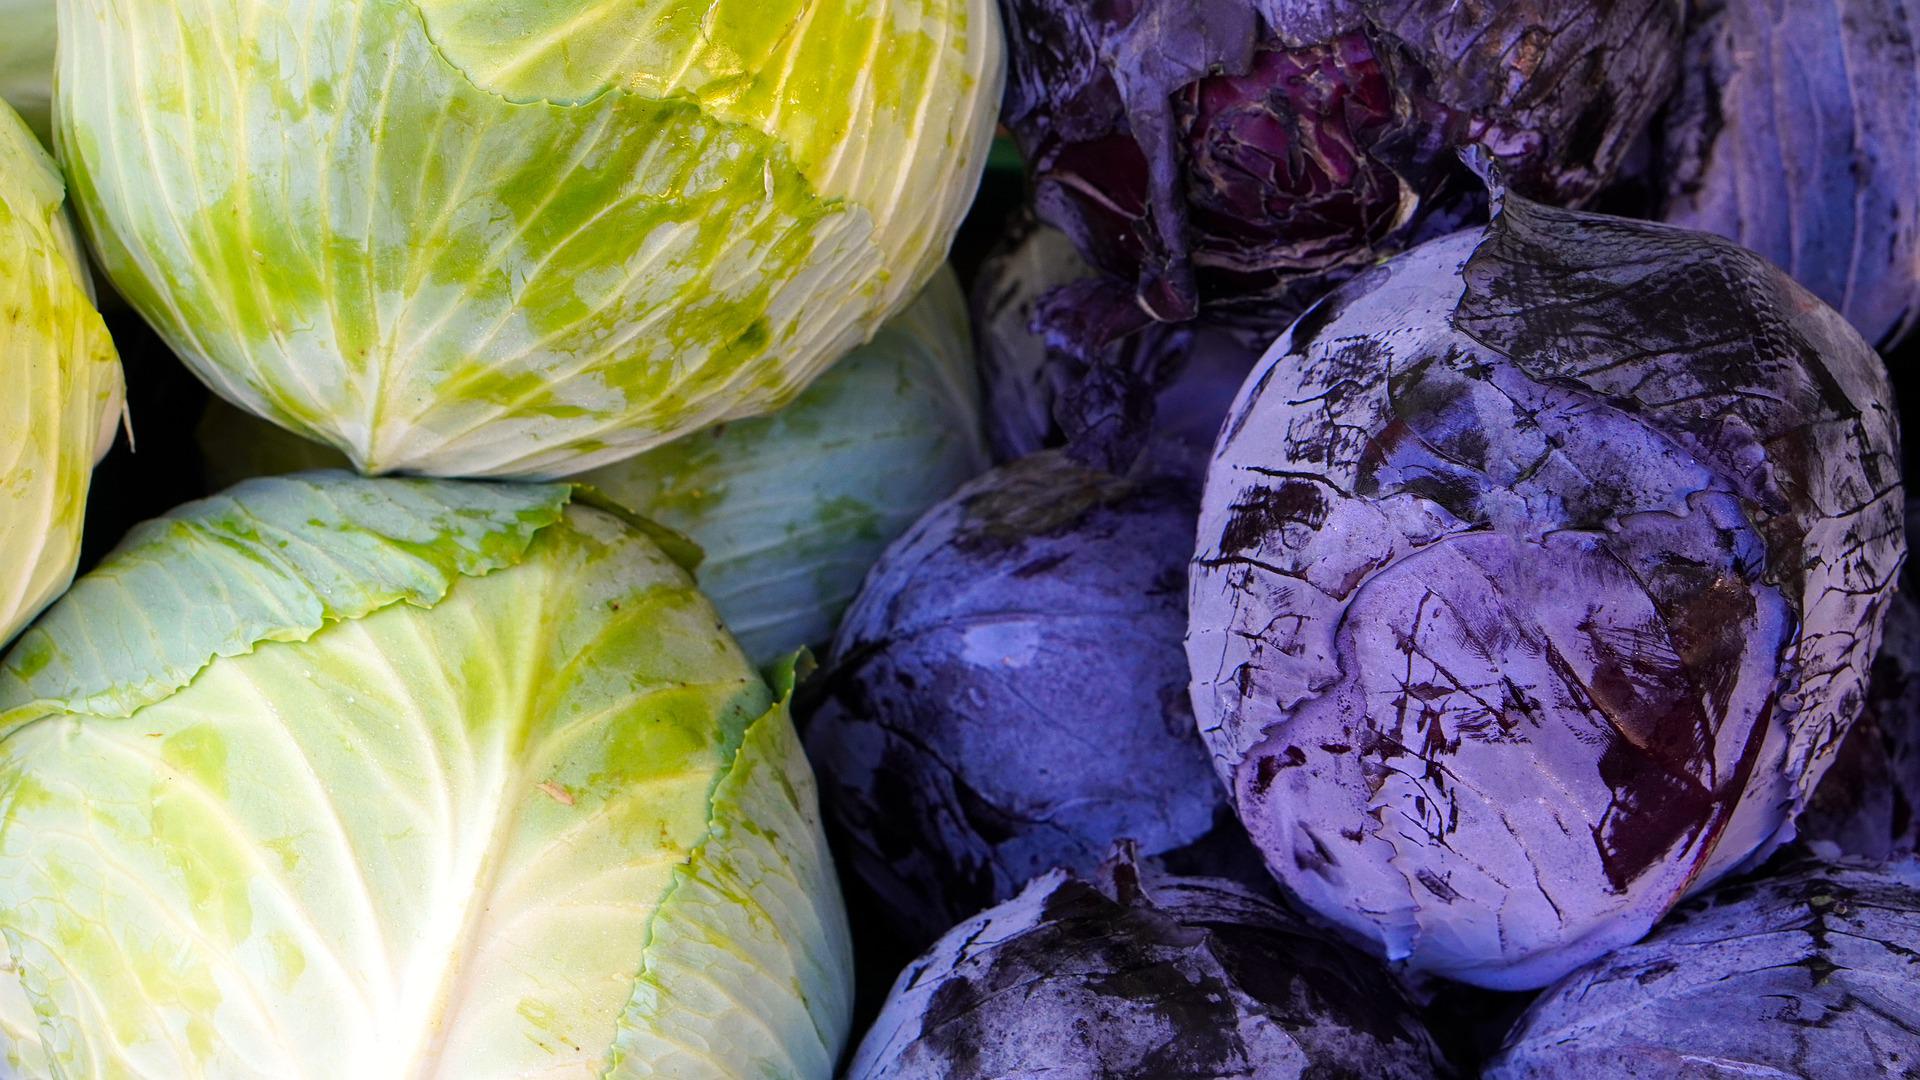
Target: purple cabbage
x: 1540, y: 573
x: 1866, y: 805
x: 1212, y: 357
x: 1810, y: 975
x: 1008, y: 694
x: 1210, y: 152
x: 1127, y: 973
x: 1794, y: 133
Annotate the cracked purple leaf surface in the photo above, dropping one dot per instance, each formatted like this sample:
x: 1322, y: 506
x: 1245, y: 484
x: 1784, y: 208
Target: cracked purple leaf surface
x: 1807, y: 976
x: 1203, y: 153
x: 1539, y: 574
x: 1865, y: 806
x: 1129, y: 973
x: 1792, y: 133
x: 1008, y: 694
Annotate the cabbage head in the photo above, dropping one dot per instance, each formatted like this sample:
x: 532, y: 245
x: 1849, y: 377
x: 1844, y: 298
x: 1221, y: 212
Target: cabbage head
x: 1187, y: 977
x: 1540, y: 574
x: 521, y: 238
x: 790, y: 509
x: 1805, y: 974
x: 1007, y: 695
x: 331, y: 777
x: 1206, y: 151
x: 26, y: 60
x: 60, y: 383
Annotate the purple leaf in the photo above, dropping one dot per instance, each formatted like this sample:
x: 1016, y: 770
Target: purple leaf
x: 1793, y: 134
x: 1867, y: 803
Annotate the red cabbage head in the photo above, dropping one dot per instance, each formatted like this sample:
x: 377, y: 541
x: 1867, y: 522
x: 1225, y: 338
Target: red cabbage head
x: 1008, y: 694
x: 1540, y: 571
x: 1127, y: 972
x: 1213, y: 150
x: 1810, y: 974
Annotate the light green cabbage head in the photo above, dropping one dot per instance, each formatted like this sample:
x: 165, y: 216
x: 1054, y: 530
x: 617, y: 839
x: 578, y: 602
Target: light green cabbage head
x: 60, y: 384
x: 524, y: 237
x: 26, y: 60
x: 330, y: 777
x: 791, y: 509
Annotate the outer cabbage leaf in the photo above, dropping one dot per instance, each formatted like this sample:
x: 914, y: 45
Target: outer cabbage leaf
x: 1792, y: 134
x: 1868, y: 805
x: 1032, y: 261
x: 789, y: 510
x: 521, y: 239
x: 1809, y: 974
x: 1540, y: 573
x: 63, y: 391
x: 331, y: 776
x: 1130, y: 973
x: 1007, y: 695
x: 26, y: 61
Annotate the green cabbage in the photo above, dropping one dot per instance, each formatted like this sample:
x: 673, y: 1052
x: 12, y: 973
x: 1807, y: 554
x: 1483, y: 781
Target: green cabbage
x: 26, y: 60
x: 791, y: 509
x: 331, y: 777
x: 521, y: 238
x: 60, y: 382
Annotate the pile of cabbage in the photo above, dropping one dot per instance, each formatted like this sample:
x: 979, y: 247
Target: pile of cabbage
x: 958, y: 538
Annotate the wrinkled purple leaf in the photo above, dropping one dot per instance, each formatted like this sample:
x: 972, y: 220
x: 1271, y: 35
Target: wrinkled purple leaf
x: 1210, y: 152
x: 1007, y: 695
x: 1106, y: 361
x: 1807, y: 975
x: 1556, y: 90
x: 1540, y: 571
x: 1030, y: 262
x: 1793, y: 133
x: 1128, y: 973
x: 1213, y: 356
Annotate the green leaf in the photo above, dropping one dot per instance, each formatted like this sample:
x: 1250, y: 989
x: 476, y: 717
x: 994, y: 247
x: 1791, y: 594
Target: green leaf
x: 60, y: 384
x: 279, y: 560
